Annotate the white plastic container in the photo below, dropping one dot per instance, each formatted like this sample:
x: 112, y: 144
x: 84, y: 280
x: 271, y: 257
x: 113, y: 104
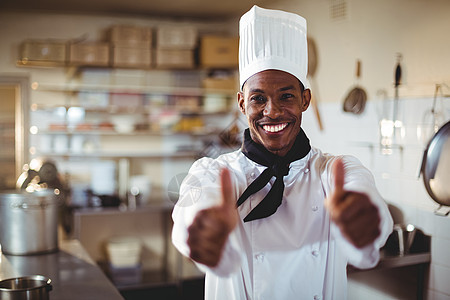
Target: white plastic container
x: 124, y: 251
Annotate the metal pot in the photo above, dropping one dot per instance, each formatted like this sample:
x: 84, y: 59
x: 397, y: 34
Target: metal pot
x: 35, y: 287
x: 28, y: 222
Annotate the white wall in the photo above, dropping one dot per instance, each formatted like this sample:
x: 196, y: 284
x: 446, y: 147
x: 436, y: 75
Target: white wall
x: 374, y: 31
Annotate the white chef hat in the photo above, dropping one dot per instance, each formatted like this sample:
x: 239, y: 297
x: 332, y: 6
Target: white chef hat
x: 272, y: 39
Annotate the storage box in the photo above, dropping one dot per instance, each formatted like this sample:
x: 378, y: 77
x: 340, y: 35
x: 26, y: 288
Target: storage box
x: 175, y: 59
x: 126, y: 100
x: 176, y: 37
x: 220, y: 83
x: 185, y: 103
x: 128, y: 35
x: 215, y: 103
x: 43, y: 52
x: 93, y: 99
x: 89, y: 54
x: 130, y: 57
x: 219, y: 52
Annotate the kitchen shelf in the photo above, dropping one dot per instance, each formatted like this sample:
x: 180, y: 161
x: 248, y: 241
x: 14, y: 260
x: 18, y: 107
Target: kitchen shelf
x: 137, y: 89
x: 194, y: 133
x: 143, y: 109
x: 174, y: 155
x: 124, y: 125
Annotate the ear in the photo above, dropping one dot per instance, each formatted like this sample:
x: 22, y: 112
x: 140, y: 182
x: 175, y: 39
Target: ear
x: 241, y: 101
x: 306, y: 99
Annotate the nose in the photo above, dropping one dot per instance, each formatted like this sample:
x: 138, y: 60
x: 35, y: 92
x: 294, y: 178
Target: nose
x: 272, y: 109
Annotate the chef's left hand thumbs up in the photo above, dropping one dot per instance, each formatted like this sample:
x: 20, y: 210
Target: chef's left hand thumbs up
x: 353, y: 212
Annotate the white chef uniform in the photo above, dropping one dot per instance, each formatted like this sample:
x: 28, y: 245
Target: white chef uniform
x: 296, y: 253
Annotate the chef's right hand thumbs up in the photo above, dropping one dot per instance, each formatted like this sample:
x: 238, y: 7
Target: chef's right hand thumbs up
x: 228, y: 204
x: 210, y: 229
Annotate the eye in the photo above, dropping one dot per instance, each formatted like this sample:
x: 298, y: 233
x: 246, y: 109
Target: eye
x: 258, y: 98
x: 286, y: 96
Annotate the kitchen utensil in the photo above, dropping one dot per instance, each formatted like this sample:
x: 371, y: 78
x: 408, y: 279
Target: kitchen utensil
x: 355, y: 101
x: 411, y: 234
x: 34, y: 287
x: 40, y: 172
x: 398, y: 78
x: 432, y: 118
x: 435, y: 168
x: 401, y: 240
x: 312, y: 67
x: 140, y: 188
x: 28, y: 222
x: 404, y: 240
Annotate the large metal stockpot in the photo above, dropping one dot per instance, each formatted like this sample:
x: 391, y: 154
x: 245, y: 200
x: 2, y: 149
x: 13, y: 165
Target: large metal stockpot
x: 34, y: 287
x: 28, y: 222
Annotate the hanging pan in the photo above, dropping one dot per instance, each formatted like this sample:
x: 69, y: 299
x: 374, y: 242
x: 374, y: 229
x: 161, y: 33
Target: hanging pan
x: 357, y: 97
x: 435, y: 167
x: 312, y: 67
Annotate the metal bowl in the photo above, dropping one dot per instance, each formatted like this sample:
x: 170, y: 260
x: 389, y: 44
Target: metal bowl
x: 34, y: 287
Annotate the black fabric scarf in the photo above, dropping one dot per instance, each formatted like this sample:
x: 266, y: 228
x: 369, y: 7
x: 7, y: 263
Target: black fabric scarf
x: 276, y: 166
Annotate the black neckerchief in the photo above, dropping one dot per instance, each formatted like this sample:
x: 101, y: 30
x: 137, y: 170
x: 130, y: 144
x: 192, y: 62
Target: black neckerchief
x: 277, y: 166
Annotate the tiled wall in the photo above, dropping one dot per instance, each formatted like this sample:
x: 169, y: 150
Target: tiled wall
x: 396, y: 174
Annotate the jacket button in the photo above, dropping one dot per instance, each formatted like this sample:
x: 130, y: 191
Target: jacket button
x: 314, y: 208
x: 259, y: 257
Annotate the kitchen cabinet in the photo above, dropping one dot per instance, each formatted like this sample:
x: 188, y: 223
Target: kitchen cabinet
x: 160, y: 262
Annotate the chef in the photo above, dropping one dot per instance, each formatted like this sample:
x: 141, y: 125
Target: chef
x: 278, y: 218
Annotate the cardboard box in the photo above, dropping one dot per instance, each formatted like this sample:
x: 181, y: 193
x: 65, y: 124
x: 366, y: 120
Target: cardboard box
x: 131, y: 57
x: 89, y: 54
x: 44, y: 52
x: 219, y: 52
x: 221, y: 83
x: 128, y: 35
x: 176, y: 59
x: 126, y: 100
x: 176, y: 37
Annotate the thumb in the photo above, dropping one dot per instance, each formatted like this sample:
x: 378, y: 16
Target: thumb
x: 228, y: 201
x: 338, y: 173
x: 339, y: 176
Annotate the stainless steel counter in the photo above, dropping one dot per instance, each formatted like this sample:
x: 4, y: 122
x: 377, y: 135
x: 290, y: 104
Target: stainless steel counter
x: 73, y: 273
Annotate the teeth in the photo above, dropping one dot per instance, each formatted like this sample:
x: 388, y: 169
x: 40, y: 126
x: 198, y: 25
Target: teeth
x: 275, y: 128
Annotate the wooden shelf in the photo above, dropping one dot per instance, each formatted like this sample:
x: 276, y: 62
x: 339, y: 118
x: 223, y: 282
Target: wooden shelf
x: 169, y: 133
x: 174, y: 155
x: 144, y: 109
x: 137, y: 89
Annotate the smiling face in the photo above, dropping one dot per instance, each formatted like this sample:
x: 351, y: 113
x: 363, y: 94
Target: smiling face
x: 273, y: 102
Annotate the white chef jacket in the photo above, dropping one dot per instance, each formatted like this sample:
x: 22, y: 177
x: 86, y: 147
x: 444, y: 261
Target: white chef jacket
x: 296, y: 253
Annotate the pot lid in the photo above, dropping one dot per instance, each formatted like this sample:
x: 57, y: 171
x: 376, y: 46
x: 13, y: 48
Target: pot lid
x: 436, y: 165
